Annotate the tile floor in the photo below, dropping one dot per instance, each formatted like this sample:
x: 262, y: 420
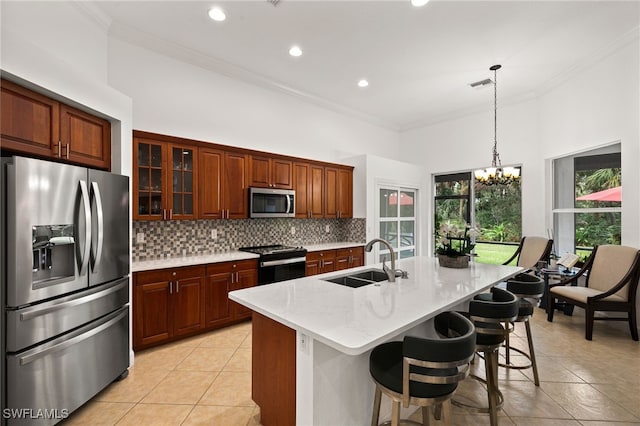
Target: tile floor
x: 206, y: 380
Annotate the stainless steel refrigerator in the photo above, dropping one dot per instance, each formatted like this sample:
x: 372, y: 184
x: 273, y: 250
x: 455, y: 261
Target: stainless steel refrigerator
x: 65, y: 287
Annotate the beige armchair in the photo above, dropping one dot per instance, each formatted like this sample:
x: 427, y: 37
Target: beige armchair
x: 531, y: 250
x: 612, y: 274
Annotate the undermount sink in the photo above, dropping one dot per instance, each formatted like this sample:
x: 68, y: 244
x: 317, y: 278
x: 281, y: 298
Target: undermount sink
x: 359, y: 279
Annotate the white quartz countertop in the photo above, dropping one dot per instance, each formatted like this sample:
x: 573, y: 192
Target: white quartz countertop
x: 176, y: 262
x: 354, y: 320
x: 331, y: 246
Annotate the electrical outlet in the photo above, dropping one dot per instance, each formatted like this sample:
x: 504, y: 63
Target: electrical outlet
x: 327, y: 229
x: 214, y: 234
x: 293, y: 230
x: 140, y: 238
x: 304, y: 343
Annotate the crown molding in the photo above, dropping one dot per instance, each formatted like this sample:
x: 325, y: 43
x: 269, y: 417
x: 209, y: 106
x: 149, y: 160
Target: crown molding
x: 201, y: 60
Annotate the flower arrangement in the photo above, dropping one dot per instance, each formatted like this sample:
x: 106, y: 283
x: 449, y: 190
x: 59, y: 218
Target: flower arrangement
x: 453, y: 241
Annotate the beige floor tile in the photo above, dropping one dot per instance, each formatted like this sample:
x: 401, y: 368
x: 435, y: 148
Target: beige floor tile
x: 584, y: 402
x: 525, y: 399
x: 218, y: 415
x: 181, y: 387
x: 161, y: 358
x: 536, y: 421
x: 625, y: 395
x: 156, y: 415
x: 230, y: 388
x: 206, y: 359
x: 553, y: 369
x: 596, y: 423
x: 225, y: 338
x: 99, y: 413
x: 240, y: 361
x: 134, y: 387
x: 247, y: 342
x: 255, y: 417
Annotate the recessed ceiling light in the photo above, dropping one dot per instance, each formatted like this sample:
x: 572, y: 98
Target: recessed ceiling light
x: 217, y: 14
x: 363, y: 83
x: 295, y: 51
x: 418, y: 3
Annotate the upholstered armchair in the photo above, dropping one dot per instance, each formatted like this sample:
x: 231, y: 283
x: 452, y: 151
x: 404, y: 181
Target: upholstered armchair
x: 531, y: 250
x: 611, y: 275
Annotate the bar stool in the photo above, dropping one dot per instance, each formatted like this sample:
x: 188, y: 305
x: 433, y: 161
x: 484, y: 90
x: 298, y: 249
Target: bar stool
x: 493, y: 315
x: 525, y: 286
x: 423, y: 371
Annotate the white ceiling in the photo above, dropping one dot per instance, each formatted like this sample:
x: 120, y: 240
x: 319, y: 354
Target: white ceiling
x: 419, y: 61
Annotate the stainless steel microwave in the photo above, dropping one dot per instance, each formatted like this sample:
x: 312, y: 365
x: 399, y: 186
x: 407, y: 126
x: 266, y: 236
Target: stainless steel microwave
x: 265, y: 202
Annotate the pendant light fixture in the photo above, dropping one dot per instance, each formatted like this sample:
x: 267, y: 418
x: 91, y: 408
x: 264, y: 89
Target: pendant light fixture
x: 496, y: 174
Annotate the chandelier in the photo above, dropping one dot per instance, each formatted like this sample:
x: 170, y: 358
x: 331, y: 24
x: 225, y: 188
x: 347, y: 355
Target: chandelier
x: 496, y: 174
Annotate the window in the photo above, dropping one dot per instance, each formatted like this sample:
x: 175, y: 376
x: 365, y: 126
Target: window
x: 587, y: 205
x: 496, y: 212
x: 397, y: 221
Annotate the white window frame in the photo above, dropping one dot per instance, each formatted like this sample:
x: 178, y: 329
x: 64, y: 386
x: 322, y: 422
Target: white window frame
x: 564, y: 239
x: 380, y: 249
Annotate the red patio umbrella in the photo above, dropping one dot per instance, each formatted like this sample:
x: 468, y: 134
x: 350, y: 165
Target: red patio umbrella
x: 611, y: 194
x: 405, y: 200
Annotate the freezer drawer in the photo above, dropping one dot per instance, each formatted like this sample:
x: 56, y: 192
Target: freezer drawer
x: 28, y: 326
x: 65, y: 373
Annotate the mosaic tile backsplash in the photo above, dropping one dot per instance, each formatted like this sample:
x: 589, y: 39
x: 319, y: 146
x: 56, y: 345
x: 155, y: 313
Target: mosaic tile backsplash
x: 194, y: 237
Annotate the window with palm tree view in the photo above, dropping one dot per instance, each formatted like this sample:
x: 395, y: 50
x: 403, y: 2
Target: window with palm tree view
x: 587, y: 200
x: 495, y: 213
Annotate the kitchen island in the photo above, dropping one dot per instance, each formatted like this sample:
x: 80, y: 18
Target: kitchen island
x: 312, y: 338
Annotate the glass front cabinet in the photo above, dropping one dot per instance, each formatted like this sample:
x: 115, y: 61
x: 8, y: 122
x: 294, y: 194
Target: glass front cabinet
x: 164, y: 184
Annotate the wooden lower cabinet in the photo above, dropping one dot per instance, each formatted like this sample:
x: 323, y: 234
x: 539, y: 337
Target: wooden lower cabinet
x: 172, y: 303
x: 167, y: 303
x: 351, y: 257
x: 220, y: 280
x: 320, y: 262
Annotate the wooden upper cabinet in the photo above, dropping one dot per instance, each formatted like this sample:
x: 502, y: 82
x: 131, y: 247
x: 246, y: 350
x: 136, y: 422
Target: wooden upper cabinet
x: 30, y: 122
x: 210, y: 184
x: 84, y: 138
x: 338, y: 192
x: 36, y: 124
x: 164, y: 180
x: 149, y: 179
x: 182, y: 188
x: 222, y: 184
x: 308, y: 182
x: 235, y: 188
x: 271, y: 172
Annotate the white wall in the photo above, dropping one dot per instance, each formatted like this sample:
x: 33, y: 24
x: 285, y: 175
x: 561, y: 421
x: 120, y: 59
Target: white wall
x: 596, y: 106
x: 175, y: 98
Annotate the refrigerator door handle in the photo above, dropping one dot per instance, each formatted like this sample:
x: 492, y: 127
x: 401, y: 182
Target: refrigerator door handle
x: 36, y: 354
x: 97, y: 255
x: 87, y: 235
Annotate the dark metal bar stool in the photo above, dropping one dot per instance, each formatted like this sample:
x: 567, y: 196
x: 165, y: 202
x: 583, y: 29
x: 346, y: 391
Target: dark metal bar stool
x: 493, y: 315
x: 423, y: 371
x: 526, y: 287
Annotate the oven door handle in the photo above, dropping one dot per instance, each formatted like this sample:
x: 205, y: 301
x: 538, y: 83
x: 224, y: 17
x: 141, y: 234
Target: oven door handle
x: 283, y: 261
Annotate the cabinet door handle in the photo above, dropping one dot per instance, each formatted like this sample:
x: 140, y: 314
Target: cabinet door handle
x: 164, y: 214
x: 170, y: 214
x: 67, y: 154
x: 59, y: 150
x: 177, y: 286
x: 170, y: 287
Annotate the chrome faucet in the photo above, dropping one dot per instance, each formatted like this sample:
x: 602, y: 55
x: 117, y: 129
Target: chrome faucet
x: 392, y: 272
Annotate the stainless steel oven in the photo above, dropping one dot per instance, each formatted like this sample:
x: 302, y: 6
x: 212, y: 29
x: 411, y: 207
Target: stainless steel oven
x: 279, y: 263
x: 264, y: 202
